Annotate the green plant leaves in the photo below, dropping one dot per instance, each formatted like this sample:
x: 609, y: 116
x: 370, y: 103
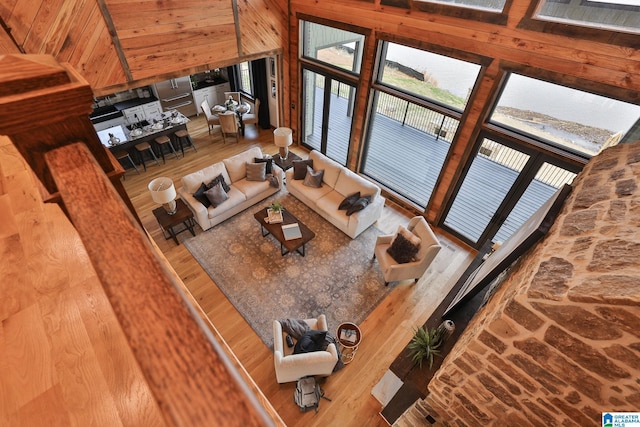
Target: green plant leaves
x: 424, y: 345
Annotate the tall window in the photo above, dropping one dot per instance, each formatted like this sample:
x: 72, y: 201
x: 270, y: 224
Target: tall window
x: 621, y: 15
x: 331, y: 60
x: 571, y: 119
x: 245, y: 81
x: 409, y: 136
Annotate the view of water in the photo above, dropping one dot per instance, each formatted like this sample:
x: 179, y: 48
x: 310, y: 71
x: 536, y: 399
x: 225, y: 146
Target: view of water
x: 523, y: 93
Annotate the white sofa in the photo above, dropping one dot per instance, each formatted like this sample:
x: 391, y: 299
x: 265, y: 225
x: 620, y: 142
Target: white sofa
x: 338, y: 182
x: 243, y: 193
x: 291, y: 367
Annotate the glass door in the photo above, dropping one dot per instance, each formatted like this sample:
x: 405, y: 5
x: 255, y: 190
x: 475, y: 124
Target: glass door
x: 502, y: 188
x: 327, y: 107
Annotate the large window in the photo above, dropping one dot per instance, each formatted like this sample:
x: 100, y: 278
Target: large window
x: 621, y: 15
x: 338, y: 48
x: 491, y: 5
x: 409, y: 135
x: 574, y: 120
x: 444, y: 80
x: 244, y: 78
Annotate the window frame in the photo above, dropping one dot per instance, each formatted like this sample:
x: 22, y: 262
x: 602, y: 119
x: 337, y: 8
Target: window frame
x: 574, y: 30
x: 455, y: 11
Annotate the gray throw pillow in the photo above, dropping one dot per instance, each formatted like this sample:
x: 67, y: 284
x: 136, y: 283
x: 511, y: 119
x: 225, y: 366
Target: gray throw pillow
x: 360, y: 204
x: 216, y: 195
x: 313, y: 178
x: 267, y: 160
x: 349, y: 201
x: 219, y: 179
x: 256, y: 171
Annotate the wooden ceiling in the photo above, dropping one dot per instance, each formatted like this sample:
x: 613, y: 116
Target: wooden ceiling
x: 123, y: 43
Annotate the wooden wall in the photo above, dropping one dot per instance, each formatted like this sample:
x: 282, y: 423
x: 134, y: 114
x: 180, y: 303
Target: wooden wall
x: 118, y: 44
x: 595, y: 65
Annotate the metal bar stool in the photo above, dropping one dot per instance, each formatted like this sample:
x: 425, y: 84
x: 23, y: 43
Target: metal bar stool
x: 184, y: 139
x: 124, y: 155
x: 142, y: 147
x: 162, y: 141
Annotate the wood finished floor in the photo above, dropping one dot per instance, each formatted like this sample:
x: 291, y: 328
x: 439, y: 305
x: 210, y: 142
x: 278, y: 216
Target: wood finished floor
x: 385, y: 332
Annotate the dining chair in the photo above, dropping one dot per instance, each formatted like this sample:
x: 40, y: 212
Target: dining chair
x: 252, y: 117
x: 229, y: 124
x: 212, y: 119
x: 234, y: 95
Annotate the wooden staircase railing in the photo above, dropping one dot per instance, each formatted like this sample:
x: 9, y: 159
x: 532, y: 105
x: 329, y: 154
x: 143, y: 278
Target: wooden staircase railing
x: 44, y: 109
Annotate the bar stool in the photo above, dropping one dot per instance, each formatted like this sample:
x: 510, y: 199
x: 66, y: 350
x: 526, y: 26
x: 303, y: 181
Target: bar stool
x: 184, y: 139
x: 162, y: 141
x: 142, y: 147
x: 124, y: 155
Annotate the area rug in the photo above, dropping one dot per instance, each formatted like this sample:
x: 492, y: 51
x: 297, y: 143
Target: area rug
x: 336, y: 277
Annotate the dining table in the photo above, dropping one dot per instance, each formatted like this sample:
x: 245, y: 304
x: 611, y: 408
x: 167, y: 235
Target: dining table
x: 125, y: 138
x: 239, y: 109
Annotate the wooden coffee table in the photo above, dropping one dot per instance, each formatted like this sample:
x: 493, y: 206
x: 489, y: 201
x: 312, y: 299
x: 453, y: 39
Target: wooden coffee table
x: 286, y: 246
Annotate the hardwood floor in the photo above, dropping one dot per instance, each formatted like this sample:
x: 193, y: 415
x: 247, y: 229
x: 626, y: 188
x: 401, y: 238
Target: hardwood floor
x: 385, y: 332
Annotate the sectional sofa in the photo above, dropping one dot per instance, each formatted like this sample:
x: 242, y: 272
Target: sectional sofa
x: 338, y: 183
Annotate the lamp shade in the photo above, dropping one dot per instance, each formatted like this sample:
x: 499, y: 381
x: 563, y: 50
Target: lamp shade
x: 162, y: 190
x: 282, y: 137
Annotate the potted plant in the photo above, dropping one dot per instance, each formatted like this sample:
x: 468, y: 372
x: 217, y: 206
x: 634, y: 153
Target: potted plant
x: 276, y: 206
x: 424, y: 345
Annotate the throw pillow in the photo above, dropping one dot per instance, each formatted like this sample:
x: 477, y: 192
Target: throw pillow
x: 256, y: 171
x: 349, y: 201
x: 313, y: 178
x: 219, y: 179
x: 311, y: 341
x: 300, y: 168
x: 273, y: 180
x: 409, y: 236
x: 359, y: 204
x: 216, y: 195
x: 267, y: 160
x: 201, y: 197
x: 402, y: 250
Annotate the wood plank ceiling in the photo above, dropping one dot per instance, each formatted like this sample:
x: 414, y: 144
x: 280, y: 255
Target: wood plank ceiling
x: 123, y: 43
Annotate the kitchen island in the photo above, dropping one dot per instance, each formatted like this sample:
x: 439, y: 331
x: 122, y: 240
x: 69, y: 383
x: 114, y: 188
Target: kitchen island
x: 168, y: 123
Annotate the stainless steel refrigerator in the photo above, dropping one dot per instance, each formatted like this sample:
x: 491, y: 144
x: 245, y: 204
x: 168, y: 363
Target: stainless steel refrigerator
x: 176, y: 94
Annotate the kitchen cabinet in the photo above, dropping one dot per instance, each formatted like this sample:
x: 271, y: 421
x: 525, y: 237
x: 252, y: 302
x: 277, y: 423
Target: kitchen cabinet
x: 207, y: 93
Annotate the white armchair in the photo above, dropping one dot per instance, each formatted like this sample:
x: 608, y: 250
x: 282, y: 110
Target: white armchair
x: 291, y: 367
x: 429, y: 247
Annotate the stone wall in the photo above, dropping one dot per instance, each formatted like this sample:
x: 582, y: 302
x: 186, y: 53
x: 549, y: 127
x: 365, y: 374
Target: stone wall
x: 559, y: 341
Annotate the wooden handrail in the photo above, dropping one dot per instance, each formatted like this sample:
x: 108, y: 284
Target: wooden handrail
x: 44, y: 109
x: 186, y: 369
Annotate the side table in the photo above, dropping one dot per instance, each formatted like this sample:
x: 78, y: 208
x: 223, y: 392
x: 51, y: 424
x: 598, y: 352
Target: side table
x: 349, y: 337
x: 285, y: 164
x: 169, y: 223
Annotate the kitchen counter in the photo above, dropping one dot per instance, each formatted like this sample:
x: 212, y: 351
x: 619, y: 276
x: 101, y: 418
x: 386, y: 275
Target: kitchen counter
x: 123, y: 105
x: 209, y: 82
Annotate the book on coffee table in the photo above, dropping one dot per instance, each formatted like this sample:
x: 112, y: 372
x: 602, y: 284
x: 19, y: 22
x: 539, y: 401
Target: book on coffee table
x: 291, y: 231
x: 273, y: 216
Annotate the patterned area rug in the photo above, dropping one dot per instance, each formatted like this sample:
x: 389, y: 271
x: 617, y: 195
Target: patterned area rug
x: 336, y: 277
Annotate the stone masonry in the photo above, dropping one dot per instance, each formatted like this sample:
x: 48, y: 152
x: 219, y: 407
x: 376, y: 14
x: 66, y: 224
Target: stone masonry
x: 559, y: 341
